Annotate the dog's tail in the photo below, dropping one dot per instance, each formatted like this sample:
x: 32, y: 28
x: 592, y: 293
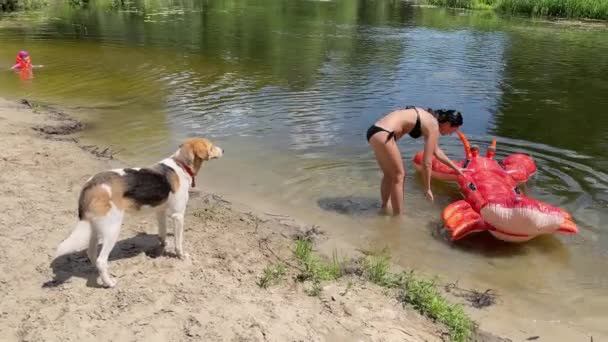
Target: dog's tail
x: 77, y: 241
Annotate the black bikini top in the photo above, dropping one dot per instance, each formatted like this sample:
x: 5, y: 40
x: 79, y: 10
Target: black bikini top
x: 416, y: 132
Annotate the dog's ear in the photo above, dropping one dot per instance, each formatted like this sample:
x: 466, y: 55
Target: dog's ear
x: 201, y: 149
x: 186, y: 153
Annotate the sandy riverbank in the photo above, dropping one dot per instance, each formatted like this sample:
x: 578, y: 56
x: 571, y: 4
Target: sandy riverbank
x: 212, y: 297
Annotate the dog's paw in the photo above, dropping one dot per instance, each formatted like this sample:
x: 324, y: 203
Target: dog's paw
x: 183, y: 256
x: 109, y: 282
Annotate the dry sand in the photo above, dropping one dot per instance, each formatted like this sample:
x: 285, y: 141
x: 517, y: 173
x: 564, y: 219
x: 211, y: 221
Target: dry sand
x: 212, y: 297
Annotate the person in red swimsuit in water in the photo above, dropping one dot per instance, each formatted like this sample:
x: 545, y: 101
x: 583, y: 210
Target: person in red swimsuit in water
x: 23, y: 64
x: 418, y: 122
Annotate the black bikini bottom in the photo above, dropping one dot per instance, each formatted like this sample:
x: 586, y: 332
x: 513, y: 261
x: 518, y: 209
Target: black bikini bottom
x: 375, y: 129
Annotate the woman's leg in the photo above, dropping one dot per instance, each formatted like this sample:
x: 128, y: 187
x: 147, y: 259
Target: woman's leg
x: 391, y: 163
x: 385, y: 191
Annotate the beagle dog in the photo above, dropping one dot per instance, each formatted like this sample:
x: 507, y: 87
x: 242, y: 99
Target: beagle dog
x: 106, y: 197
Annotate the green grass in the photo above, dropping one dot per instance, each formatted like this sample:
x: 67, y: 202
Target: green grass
x: 422, y: 294
x: 469, y: 4
x: 592, y: 9
x: 19, y: 5
x: 584, y: 9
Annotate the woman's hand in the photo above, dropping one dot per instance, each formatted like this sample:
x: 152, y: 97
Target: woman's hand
x: 460, y: 170
x: 429, y: 195
x: 445, y: 160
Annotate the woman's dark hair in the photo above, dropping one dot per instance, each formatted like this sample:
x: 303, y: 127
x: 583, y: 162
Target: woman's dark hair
x: 454, y: 117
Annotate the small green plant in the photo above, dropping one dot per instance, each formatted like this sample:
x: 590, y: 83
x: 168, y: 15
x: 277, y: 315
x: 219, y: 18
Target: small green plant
x: 303, y: 250
x: 272, y: 274
x: 36, y: 108
x: 315, y: 269
x: 376, y: 268
x: 315, y: 290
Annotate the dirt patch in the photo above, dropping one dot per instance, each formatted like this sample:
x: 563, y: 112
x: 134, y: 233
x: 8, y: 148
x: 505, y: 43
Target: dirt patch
x: 59, y: 126
x: 475, y: 298
x: 484, y: 336
x: 99, y: 152
x: 64, y: 125
x: 62, y: 129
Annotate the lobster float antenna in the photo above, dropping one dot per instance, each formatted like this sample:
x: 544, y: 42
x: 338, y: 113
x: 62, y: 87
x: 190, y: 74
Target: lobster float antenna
x: 465, y: 142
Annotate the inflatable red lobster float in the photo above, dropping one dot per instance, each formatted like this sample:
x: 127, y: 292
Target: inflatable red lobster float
x: 492, y: 202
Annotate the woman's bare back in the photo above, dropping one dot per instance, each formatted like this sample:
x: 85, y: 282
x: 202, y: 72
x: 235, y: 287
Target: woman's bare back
x: 402, y: 121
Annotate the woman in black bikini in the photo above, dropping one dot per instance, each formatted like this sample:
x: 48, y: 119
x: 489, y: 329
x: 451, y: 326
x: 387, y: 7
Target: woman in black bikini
x: 417, y: 122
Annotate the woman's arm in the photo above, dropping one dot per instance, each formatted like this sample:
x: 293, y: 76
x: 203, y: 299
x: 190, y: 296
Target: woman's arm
x: 430, y: 145
x: 444, y: 159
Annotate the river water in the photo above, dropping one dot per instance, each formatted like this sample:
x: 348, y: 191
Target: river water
x: 288, y: 89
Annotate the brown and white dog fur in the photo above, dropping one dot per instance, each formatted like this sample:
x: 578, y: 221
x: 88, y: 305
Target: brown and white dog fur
x: 106, y: 197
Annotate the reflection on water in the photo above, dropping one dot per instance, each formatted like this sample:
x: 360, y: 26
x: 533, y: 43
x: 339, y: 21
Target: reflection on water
x: 288, y: 88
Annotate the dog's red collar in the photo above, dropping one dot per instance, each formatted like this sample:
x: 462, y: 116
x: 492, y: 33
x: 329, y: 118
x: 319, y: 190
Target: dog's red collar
x: 188, y: 170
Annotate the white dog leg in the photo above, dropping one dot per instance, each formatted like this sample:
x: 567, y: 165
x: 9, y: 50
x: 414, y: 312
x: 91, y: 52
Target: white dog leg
x: 161, y: 217
x: 178, y: 220
x: 109, y: 230
x: 92, y: 251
